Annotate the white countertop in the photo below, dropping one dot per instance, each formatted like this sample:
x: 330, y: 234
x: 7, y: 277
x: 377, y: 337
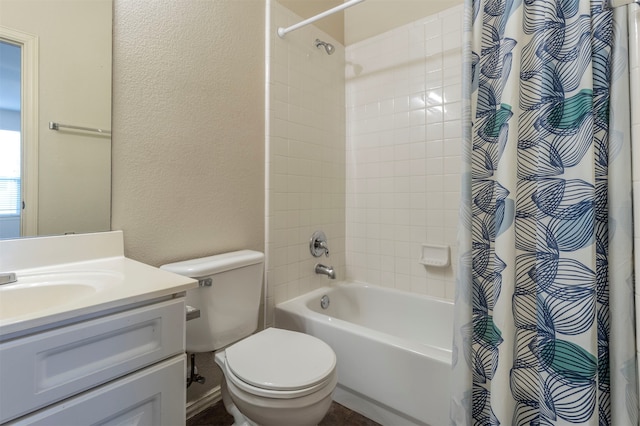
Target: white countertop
x: 113, y: 280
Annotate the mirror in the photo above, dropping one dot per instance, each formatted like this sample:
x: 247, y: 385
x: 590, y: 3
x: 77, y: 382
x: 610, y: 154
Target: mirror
x: 65, y: 174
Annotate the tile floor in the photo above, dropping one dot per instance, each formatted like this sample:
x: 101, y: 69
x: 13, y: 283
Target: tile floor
x: 338, y: 415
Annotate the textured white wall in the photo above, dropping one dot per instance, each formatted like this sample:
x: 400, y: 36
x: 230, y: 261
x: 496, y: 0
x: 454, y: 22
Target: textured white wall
x: 374, y: 17
x: 367, y: 19
x: 188, y: 132
x: 188, y: 127
x: 332, y: 24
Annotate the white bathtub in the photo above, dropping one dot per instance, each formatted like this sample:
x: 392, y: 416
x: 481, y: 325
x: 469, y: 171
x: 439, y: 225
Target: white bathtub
x: 393, y: 349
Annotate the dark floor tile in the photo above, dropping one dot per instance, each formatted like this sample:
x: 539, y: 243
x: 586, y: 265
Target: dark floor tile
x: 216, y: 415
x: 337, y: 415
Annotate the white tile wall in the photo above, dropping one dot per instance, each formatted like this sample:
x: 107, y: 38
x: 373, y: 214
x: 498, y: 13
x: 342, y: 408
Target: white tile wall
x: 306, y: 158
x: 401, y: 171
x: 403, y: 153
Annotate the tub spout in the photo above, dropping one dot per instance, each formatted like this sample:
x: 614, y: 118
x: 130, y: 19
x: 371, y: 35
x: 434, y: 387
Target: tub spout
x: 325, y: 270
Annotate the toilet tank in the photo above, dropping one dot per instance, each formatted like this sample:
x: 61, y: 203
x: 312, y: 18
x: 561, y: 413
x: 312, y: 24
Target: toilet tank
x: 228, y: 297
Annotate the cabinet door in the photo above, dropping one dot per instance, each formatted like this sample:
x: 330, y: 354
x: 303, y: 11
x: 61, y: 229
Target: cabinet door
x: 44, y: 368
x: 154, y: 396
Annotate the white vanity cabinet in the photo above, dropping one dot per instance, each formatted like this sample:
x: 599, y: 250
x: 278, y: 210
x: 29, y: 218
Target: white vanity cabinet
x: 125, y: 366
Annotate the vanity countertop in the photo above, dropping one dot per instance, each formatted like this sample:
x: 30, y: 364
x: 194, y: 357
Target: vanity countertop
x: 53, y: 289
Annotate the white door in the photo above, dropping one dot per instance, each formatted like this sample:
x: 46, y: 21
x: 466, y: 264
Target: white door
x: 18, y: 133
x: 10, y: 140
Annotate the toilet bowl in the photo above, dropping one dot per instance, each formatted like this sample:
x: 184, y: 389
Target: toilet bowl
x: 271, y: 378
x: 278, y: 377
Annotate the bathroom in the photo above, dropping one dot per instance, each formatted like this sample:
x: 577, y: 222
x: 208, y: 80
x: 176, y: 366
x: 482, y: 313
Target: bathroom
x: 177, y: 134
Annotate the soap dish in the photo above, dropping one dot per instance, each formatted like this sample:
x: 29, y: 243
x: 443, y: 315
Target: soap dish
x: 435, y: 255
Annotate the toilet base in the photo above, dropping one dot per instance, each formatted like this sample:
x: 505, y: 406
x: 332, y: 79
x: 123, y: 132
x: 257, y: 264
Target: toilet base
x: 238, y: 418
x: 248, y: 410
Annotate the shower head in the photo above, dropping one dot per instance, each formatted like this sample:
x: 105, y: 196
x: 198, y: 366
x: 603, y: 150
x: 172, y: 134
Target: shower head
x: 328, y: 47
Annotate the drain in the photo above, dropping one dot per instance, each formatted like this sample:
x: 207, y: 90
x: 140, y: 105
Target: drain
x: 324, y: 302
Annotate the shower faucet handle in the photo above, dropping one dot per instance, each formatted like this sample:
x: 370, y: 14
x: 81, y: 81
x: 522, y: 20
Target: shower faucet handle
x: 318, y: 244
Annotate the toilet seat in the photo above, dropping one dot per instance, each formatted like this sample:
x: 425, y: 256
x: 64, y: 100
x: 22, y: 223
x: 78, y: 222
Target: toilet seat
x: 278, y: 363
x: 267, y: 393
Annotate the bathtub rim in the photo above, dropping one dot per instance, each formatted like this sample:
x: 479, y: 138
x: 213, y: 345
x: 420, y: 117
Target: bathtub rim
x: 298, y: 306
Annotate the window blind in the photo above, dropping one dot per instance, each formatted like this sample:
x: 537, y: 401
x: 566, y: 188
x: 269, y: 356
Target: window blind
x: 10, y: 196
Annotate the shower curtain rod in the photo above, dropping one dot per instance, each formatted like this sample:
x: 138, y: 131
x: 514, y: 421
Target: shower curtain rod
x: 282, y: 31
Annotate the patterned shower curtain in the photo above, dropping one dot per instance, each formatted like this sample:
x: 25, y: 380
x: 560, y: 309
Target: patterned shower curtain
x: 545, y: 325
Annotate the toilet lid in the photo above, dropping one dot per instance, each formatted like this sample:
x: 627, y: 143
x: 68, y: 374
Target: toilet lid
x: 277, y: 359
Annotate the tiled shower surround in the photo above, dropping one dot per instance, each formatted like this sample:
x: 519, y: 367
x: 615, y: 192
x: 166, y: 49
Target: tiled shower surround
x: 379, y: 177
x: 306, y: 158
x: 403, y: 153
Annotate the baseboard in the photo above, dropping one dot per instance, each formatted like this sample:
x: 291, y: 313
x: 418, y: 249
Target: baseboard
x: 372, y: 409
x: 212, y: 397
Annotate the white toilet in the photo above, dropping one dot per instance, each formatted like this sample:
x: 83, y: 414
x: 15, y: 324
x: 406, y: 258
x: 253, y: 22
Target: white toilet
x: 274, y: 377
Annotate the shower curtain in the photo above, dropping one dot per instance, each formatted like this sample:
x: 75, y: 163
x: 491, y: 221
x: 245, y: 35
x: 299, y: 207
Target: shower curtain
x: 544, y: 307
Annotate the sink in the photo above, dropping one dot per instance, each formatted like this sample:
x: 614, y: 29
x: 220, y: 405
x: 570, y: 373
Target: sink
x: 42, y: 291
x: 64, y: 279
x: 21, y: 300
